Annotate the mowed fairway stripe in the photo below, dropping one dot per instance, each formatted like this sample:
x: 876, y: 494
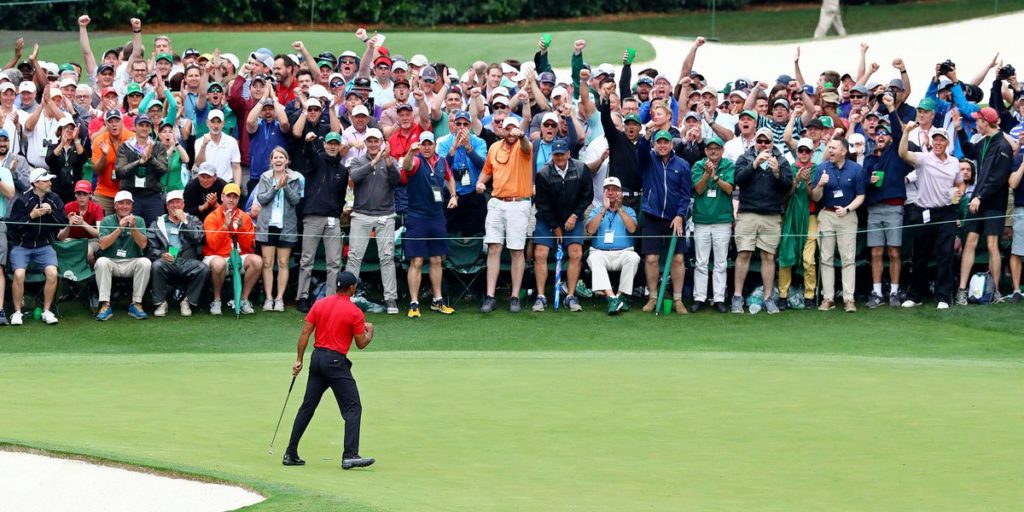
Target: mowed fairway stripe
x: 558, y: 431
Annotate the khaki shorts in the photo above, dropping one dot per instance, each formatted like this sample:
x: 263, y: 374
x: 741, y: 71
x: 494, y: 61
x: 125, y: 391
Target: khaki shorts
x: 758, y: 231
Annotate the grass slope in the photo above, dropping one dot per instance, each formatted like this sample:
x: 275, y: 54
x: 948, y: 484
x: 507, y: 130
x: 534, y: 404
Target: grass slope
x: 553, y: 431
x: 457, y: 49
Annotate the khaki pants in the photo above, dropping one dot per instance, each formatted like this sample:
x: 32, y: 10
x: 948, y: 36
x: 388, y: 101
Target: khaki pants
x: 841, y: 232
x: 316, y: 228
x: 136, y: 268
x: 384, y: 237
x: 809, y: 264
x: 627, y: 261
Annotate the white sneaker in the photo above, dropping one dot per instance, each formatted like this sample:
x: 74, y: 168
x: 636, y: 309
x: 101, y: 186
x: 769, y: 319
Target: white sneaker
x: 910, y: 304
x: 268, y: 305
x: 161, y: 309
x: 186, y: 308
x: 247, y: 307
x: 16, y: 318
x: 278, y: 305
x: 49, y: 318
x: 215, y: 307
x: 942, y: 305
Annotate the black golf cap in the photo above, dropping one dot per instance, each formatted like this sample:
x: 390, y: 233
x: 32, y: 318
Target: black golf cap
x: 346, y: 279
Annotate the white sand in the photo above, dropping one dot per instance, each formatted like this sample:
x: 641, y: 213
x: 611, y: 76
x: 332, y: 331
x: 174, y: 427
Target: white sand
x: 970, y: 44
x: 30, y: 482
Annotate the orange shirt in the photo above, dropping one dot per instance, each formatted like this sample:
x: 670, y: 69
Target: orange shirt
x: 106, y: 185
x: 511, y: 169
x: 218, y: 239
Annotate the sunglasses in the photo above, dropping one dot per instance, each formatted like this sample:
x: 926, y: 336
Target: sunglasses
x: 763, y: 141
x: 385, y: 67
x: 348, y: 61
x: 499, y: 107
x: 856, y: 96
x: 51, y: 78
x: 804, y: 150
x: 549, y: 124
x: 427, y: 80
x: 462, y: 124
x: 314, y: 109
x: 135, y: 95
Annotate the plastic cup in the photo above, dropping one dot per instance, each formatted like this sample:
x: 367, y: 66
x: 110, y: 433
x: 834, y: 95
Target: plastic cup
x: 666, y: 306
x: 630, y: 55
x: 38, y: 313
x: 881, y: 177
x: 546, y: 39
x: 173, y: 251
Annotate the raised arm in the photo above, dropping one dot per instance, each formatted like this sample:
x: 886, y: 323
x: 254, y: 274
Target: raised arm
x: 83, y: 41
x: 797, y: 74
x: 690, y: 57
x: 18, y: 46
x: 983, y: 72
x: 862, y: 63
x: 906, y: 155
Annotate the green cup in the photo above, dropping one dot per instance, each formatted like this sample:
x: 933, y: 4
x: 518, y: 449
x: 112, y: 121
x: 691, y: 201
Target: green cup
x: 546, y: 39
x: 666, y: 306
x: 881, y: 177
x: 630, y: 55
x: 38, y: 313
x: 173, y: 251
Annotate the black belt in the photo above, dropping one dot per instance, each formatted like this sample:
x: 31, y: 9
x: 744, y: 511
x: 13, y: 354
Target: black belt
x: 322, y: 349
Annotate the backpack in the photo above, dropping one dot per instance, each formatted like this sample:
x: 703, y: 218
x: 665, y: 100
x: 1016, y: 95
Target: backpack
x: 981, y: 289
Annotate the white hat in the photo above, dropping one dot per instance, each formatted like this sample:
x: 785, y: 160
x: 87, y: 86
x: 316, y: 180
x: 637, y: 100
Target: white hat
x: 943, y: 83
x: 374, y: 133
x: 941, y: 132
x: 466, y: 77
x: 509, y: 121
x: 399, y: 64
x: 215, y: 113
x: 767, y: 132
x: 550, y: 116
x: 348, y: 53
x: 65, y: 121
x: 335, y: 76
x: 805, y: 142
x: 39, y: 174
x: 738, y: 92
x: 559, y: 91
x: 67, y: 81
x: 174, y: 194
x: 508, y: 68
x: 123, y: 195
x: 318, y: 91
x: 419, y: 60
x: 207, y: 168
x: 604, y: 69
x: 55, y: 92
x: 232, y: 58
x: 499, y: 99
x: 499, y: 91
x: 425, y: 136
x: 51, y: 68
x: 313, y: 102
x: 360, y: 110
x: 27, y: 86
x: 7, y: 86
x: 855, y: 138
x: 612, y: 181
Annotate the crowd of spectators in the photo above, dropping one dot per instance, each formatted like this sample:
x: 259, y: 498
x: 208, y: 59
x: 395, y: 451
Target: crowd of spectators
x: 169, y: 163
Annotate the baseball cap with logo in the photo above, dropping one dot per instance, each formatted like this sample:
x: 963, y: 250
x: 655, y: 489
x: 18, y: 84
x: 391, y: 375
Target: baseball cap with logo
x: 427, y: 136
x: 374, y: 133
x: 83, y: 186
x: 509, y: 122
x: 215, y: 114
x: 663, y: 135
x: 765, y: 131
x: 361, y: 110
x: 174, y: 194
x: 940, y: 132
x: 39, y: 174
x: 123, y: 195
x: 559, y: 146
x: 805, y: 142
x: 27, y: 86
x: 332, y: 137
x: 207, y: 168
x: 612, y: 181
x: 631, y: 118
x: 112, y: 114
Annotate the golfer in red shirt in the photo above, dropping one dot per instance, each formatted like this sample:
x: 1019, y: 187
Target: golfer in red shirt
x: 336, y: 322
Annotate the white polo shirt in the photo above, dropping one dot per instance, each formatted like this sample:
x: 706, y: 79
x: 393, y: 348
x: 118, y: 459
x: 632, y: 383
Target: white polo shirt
x: 222, y: 154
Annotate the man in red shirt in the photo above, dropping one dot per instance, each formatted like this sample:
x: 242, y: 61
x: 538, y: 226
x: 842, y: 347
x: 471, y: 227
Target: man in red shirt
x: 84, y: 215
x: 336, y: 322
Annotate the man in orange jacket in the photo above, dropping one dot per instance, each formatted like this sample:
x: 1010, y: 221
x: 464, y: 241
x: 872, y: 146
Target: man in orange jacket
x: 104, y: 157
x: 223, y: 225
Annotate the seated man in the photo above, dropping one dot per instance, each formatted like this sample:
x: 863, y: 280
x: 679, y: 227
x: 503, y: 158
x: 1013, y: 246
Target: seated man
x: 224, y: 226
x: 612, y: 227
x: 202, y: 195
x: 122, y: 242
x: 35, y: 218
x: 84, y: 216
x: 175, y: 239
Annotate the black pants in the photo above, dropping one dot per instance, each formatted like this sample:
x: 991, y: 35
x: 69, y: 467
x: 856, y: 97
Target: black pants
x: 934, y: 239
x: 330, y: 369
x: 192, y: 272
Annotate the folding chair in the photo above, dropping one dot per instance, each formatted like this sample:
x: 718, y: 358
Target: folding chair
x: 76, y: 277
x: 466, y: 260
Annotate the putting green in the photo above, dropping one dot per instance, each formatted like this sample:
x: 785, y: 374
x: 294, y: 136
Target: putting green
x: 553, y: 431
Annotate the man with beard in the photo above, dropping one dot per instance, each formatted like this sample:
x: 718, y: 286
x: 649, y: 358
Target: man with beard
x: 14, y: 163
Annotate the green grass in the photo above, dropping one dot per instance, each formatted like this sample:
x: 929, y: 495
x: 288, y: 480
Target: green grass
x: 456, y: 49
x: 553, y: 430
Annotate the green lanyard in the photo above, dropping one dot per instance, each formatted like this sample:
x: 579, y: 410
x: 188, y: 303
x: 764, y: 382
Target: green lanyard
x: 984, y: 148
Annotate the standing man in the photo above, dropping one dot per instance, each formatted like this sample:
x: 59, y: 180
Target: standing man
x: 425, y: 176
x: 712, y: 219
x: 326, y: 183
x: 764, y: 177
x: 221, y: 150
x: 122, y: 242
x: 987, y: 208
x: 36, y: 217
x: 374, y: 176
x: 175, y: 241
x: 839, y: 190
x: 612, y: 227
x: 465, y: 154
x: 935, y: 215
x: 564, y: 191
x: 336, y: 323
x: 510, y: 165
x: 7, y: 194
x: 830, y: 16
x: 667, y: 187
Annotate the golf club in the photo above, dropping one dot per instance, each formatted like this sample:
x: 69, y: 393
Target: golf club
x: 664, y: 273
x: 278, y: 427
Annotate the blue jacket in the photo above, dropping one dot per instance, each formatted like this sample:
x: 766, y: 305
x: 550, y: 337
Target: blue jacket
x: 645, y: 111
x: 464, y: 162
x: 894, y: 183
x: 667, y: 185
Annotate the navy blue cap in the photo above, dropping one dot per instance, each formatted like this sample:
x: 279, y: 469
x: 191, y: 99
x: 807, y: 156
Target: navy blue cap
x: 645, y: 80
x: 559, y: 146
x: 461, y: 114
x: 346, y: 279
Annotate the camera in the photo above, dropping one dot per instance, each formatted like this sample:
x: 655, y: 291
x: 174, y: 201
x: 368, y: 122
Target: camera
x: 1006, y: 72
x: 946, y: 67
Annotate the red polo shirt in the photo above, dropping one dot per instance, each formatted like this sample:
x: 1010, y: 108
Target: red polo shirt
x: 335, y: 321
x: 93, y: 215
x: 400, y: 142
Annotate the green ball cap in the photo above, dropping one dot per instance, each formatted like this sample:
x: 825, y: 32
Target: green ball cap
x: 927, y: 104
x: 133, y: 88
x: 714, y: 140
x: 165, y: 56
x: 749, y: 113
x: 632, y: 118
x: 332, y: 137
x: 826, y: 121
x: 663, y: 135
x: 66, y: 67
